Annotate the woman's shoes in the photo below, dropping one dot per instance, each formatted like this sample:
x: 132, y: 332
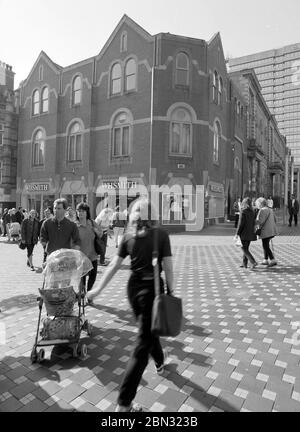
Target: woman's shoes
x: 130, y: 408
x: 265, y: 262
x: 272, y: 263
x: 32, y: 268
x: 254, y: 265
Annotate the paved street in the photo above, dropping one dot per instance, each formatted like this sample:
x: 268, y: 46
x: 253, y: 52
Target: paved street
x: 238, y: 350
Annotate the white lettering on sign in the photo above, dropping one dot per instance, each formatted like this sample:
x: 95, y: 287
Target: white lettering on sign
x: 120, y: 185
x: 215, y: 188
x: 37, y: 187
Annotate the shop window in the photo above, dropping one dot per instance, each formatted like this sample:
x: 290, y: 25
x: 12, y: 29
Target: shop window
x: 182, y: 69
x: 36, y: 102
x: 76, y: 91
x: 121, y: 135
x: 1, y: 134
x: 217, y: 141
x: 116, y: 78
x: 130, y: 75
x: 74, y: 153
x: 45, y: 100
x: 38, y: 149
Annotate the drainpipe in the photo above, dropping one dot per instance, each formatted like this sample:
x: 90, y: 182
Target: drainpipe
x: 151, y: 113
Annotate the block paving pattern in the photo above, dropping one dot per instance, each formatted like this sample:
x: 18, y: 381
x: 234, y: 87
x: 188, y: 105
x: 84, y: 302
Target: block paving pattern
x: 239, y: 349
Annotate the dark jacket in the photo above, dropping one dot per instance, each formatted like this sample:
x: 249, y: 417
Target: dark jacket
x: 19, y: 217
x: 246, y: 225
x: 30, y: 231
x: 295, y: 209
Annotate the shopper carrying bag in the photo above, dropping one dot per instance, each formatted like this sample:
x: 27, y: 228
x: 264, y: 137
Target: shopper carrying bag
x: 167, y: 309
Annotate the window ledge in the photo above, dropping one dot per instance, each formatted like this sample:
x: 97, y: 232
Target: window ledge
x: 179, y: 155
x: 182, y: 86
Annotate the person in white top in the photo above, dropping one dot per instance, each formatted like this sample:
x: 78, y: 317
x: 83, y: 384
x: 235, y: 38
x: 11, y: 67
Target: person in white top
x: 270, y: 202
x: 104, y: 220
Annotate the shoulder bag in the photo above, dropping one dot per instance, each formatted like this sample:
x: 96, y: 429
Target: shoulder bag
x: 167, y: 309
x: 258, y: 231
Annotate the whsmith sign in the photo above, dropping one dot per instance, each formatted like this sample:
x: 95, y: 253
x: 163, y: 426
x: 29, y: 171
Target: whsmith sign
x: 37, y: 187
x: 119, y: 185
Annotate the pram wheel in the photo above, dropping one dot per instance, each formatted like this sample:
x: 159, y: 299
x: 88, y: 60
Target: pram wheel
x: 41, y: 356
x: 33, y: 356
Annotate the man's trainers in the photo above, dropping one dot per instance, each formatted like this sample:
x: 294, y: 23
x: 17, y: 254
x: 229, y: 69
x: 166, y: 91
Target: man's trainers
x: 265, y: 262
x: 272, y: 263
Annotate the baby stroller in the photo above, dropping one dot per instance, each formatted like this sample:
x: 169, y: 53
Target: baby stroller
x: 15, y: 231
x: 62, y: 288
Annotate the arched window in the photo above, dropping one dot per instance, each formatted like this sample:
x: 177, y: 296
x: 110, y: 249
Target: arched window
x: 36, y: 102
x: 130, y: 75
x: 76, y: 91
x: 215, y: 86
x: 220, y: 90
x: 38, y: 149
x: 182, y: 69
x: 116, y: 77
x: 181, y: 132
x: 217, y: 141
x: 123, y: 42
x: 74, y: 152
x: 121, y: 135
x: 45, y: 100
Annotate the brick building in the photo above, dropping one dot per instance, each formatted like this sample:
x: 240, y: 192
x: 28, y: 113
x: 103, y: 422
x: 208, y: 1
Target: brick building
x: 8, y: 138
x: 152, y: 110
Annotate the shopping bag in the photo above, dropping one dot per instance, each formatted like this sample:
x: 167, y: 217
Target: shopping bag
x: 166, y: 315
x: 237, y: 241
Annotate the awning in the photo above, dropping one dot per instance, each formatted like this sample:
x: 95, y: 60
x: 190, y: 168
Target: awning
x: 75, y: 187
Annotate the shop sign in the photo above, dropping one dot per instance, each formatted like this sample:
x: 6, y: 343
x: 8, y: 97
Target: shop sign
x: 217, y: 188
x: 119, y: 185
x: 37, y: 187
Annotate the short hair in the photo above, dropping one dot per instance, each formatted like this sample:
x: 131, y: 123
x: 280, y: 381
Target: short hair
x: 62, y: 201
x: 143, y: 214
x: 50, y: 209
x: 246, y: 203
x: 84, y: 206
x: 261, y: 202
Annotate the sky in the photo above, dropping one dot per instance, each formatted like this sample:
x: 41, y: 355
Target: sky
x: 73, y: 30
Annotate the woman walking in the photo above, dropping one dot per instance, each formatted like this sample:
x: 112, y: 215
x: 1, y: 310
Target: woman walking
x: 138, y: 243
x: 245, y: 230
x: 88, y: 229
x: 30, y: 235
x: 265, y: 221
x: 118, y: 225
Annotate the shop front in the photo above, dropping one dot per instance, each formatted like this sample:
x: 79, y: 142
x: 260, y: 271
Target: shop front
x: 74, y: 191
x: 214, y: 200
x: 122, y: 191
x: 37, y: 196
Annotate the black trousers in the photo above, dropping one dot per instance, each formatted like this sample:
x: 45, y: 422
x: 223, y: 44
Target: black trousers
x: 295, y: 217
x: 141, y: 296
x: 267, y: 250
x: 104, y: 245
x: 92, y: 274
x: 247, y: 254
x: 30, y: 248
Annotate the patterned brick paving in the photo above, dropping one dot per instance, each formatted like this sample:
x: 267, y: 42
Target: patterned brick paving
x: 239, y: 349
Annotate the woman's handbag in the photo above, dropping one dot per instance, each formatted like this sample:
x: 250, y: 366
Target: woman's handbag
x: 167, y: 309
x: 22, y: 245
x: 258, y: 230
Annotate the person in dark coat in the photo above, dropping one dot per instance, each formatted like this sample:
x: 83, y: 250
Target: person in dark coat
x: 293, y: 207
x: 30, y: 235
x: 19, y: 215
x: 245, y: 230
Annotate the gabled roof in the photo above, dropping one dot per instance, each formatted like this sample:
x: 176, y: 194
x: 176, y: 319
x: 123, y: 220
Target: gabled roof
x: 54, y: 66
x: 136, y: 27
x: 214, y: 38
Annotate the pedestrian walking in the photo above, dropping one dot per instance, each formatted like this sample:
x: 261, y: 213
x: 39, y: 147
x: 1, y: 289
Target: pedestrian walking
x: 138, y: 244
x: 4, y: 215
x: 293, y: 207
x: 30, y: 235
x: 9, y: 219
x: 71, y: 214
x: 266, y: 222
x: 19, y: 215
x: 48, y: 213
x: 103, y: 220
x: 59, y: 232
x: 88, y: 229
x: 118, y: 225
x: 246, y: 232
x: 237, y: 210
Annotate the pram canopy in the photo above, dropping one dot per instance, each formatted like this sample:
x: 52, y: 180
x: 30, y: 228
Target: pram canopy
x: 65, y: 268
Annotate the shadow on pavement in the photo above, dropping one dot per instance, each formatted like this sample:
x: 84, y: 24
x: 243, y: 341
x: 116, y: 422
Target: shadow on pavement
x: 20, y: 302
x: 20, y: 369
